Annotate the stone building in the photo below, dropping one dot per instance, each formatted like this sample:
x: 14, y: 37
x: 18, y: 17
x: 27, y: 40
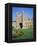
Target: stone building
x: 22, y: 21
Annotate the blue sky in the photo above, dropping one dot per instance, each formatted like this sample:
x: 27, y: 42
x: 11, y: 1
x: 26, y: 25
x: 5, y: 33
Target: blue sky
x: 28, y: 12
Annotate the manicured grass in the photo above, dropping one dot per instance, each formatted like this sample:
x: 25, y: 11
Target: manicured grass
x: 24, y: 34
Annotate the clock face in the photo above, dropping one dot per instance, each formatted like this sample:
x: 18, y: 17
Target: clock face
x: 22, y: 23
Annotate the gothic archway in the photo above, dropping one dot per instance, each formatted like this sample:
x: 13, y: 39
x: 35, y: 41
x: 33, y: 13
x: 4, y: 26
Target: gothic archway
x: 21, y: 25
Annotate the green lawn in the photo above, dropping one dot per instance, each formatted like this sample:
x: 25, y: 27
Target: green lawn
x: 23, y: 34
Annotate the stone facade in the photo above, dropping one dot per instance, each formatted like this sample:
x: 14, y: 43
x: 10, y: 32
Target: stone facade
x: 22, y: 19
